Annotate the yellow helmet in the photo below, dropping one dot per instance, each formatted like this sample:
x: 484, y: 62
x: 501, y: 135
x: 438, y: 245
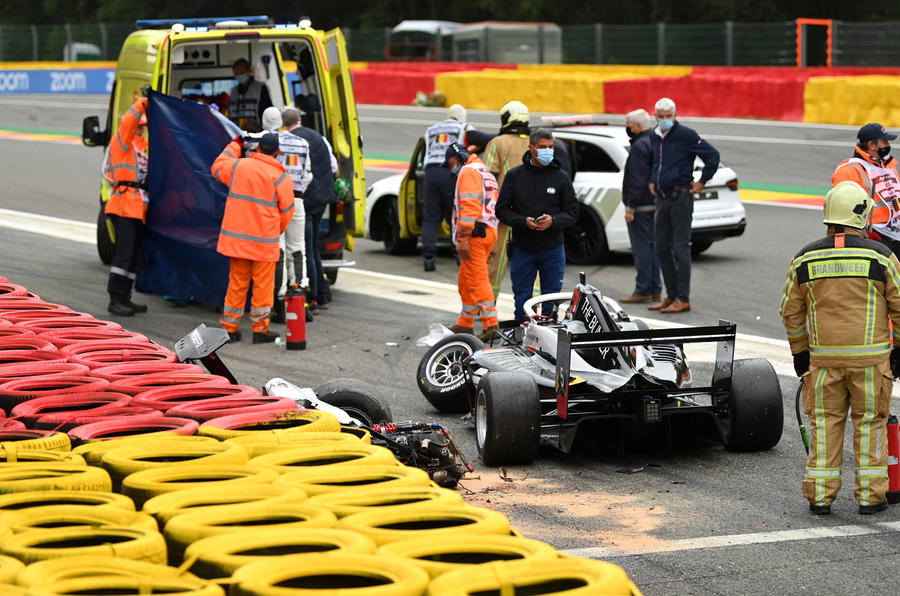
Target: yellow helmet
x: 847, y: 204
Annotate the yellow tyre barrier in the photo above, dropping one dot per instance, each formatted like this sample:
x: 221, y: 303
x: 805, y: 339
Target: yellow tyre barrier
x: 330, y: 573
x: 262, y: 443
x: 145, y: 484
x: 437, y: 557
x: 70, y: 516
x: 572, y: 577
x: 344, y: 503
x: 41, y: 498
x: 356, y: 479
x: 128, y: 543
x: 112, y: 584
x: 337, y: 455
x: 360, y: 433
x: 11, y: 455
x: 166, y: 506
x: 290, y: 421
x: 54, y: 442
x: 66, y: 568
x: 129, y: 459
x: 220, y: 556
x: 10, y: 568
x: 53, y: 477
x: 93, y: 451
x: 400, y: 523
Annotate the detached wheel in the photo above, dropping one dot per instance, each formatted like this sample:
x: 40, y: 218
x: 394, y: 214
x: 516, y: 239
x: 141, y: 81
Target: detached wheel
x: 442, y: 376
x: 699, y: 246
x: 755, y: 416
x: 393, y: 243
x: 507, y: 418
x: 586, y: 240
x: 356, y: 398
x: 106, y: 247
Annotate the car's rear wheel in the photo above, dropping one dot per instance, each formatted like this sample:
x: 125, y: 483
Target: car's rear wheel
x: 699, y: 246
x: 755, y: 417
x: 442, y: 376
x: 586, y: 240
x: 507, y: 418
x: 106, y: 247
x: 356, y: 398
x: 393, y: 243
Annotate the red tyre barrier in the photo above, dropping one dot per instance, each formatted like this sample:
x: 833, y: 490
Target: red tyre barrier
x: 16, y: 356
x: 209, y: 409
x: 136, y: 425
x: 43, y: 324
x: 66, y: 421
x: 33, y: 409
x: 164, y: 398
x: 143, y: 383
x: 4, y: 323
x: 263, y: 419
x: 7, y: 424
x: 8, y: 289
x: 25, y: 370
x: 25, y: 342
x: 9, y: 435
x: 7, y: 329
x: 64, y: 336
x: 96, y: 354
x: 29, y: 302
x: 131, y: 370
x: 34, y: 315
x: 17, y: 391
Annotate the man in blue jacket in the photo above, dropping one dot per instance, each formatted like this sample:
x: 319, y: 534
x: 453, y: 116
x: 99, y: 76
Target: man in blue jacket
x: 672, y: 183
x: 640, y: 208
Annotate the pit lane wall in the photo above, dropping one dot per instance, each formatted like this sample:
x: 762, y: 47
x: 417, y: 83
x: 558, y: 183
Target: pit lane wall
x: 839, y: 95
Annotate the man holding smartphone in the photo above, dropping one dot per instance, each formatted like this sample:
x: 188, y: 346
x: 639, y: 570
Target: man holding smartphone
x: 538, y: 202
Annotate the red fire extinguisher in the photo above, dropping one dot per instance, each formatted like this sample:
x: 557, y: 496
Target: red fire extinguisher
x: 893, y: 433
x: 295, y: 315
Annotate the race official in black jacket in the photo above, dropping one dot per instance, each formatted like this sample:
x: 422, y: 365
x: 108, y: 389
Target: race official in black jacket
x: 538, y: 202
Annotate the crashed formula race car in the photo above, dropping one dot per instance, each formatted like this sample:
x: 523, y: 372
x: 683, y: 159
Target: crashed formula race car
x: 548, y: 379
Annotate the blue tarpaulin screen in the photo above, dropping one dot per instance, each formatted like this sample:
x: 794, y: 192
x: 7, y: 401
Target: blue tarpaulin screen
x: 186, y: 204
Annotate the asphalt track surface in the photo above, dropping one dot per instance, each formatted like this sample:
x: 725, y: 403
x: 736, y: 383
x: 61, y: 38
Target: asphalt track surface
x: 692, y: 518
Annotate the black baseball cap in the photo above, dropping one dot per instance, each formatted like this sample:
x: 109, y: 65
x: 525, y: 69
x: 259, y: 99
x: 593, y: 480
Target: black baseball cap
x: 268, y: 143
x: 454, y: 150
x: 872, y: 132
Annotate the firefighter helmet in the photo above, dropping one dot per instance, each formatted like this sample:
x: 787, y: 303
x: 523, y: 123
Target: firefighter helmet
x: 847, y: 204
x: 514, y: 111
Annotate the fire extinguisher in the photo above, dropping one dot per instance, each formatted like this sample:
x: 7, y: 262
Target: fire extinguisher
x: 295, y: 315
x: 893, y: 436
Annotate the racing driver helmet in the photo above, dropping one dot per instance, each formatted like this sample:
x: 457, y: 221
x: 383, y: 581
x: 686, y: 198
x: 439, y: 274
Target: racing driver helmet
x: 847, y: 204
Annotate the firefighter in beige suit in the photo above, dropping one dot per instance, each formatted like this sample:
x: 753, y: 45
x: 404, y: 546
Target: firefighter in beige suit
x: 840, y: 294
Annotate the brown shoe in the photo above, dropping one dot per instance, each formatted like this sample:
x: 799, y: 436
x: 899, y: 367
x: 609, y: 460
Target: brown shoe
x: 677, y: 306
x: 655, y: 297
x: 488, y: 333
x: 461, y: 329
x: 664, y: 304
x: 638, y: 299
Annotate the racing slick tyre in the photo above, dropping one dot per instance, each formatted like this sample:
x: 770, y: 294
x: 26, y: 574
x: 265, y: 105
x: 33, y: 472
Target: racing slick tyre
x: 755, y: 416
x: 586, y: 240
x: 390, y: 234
x: 507, y: 418
x: 357, y: 398
x: 442, y: 376
x: 106, y: 247
x: 699, y: 246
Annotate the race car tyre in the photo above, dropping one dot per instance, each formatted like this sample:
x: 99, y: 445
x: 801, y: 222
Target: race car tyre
x: 699, y: 246
x: 563, y: 576
x: 10, y: 456
x: 357, y: 398
x: 56, y: 570
x: 15, y: 502
x: 10, y: 568
x: 390, y: 524
x: 93, y: 451
x: 106, y: 246
x: 442, y: 376
x: 359, y: 479
x: 390, y: 231
x: 347, y: 574
x: 128, y: 543
x: 344, y: 503
x: 586, y: 240
x: 437, y: 557
x: 50, y: 476
x: 166, y: 506
x: 145, y: 484
x: 507, y: 418
x: 35, y: 439
x: 332, y: 456
x: 72, y: 516
x: 755, y: 416
x: 220, y: 556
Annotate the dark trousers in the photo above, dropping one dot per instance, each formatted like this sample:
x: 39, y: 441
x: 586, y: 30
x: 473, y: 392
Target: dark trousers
x: 313, y: 257
x: 524, y: 265
x: 440, y: 186
x: 672, y: 234
x: 643, y: 249
x: 128, y: 256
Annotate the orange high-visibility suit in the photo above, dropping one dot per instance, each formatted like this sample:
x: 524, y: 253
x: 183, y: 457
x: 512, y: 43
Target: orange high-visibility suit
x: 258, y: 208
x: 882, y: 181
x: 474, y: 202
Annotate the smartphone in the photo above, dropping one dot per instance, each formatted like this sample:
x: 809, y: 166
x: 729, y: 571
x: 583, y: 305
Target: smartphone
x: 541, y: 218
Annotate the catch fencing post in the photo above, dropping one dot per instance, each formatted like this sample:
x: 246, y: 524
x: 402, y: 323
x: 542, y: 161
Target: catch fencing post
x: 103, y: 40
x: 598, y: 42
x: 540, y: 44
x: 729, y: 43
x: 660, y: 43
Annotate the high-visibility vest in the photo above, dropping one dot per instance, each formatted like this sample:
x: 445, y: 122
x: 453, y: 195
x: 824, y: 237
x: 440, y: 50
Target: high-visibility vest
x: 126, y: 168
x: 293, y: 154
x: 259, y: 205
x: 476, y: 196
x: 882, y: 184
x: 246, y: 104
x: 439, y: 136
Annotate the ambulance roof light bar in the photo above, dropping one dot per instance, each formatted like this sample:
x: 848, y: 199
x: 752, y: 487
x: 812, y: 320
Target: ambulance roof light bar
x: 196, y: 24
x: 573, y: 120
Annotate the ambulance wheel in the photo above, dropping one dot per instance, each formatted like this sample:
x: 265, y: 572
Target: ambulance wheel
x: 357, y: 398
x: 106, y: 247
x: 393, y: 243
x: 754, y: 416
x: 443, y: 377
x: 586, y: 240
x: 507, y: 418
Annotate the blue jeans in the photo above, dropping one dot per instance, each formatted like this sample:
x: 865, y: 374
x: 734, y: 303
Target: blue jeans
x: 672, y: 233
x: 440, y: 186
x: 313, y: 258
x: 640, y: 233
x: 524, y: 266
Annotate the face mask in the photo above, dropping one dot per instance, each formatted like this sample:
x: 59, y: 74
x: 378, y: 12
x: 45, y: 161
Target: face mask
x: 666, y: 123
x: 545, y: 156
x: 884, y: 151
x: 455, y: 169
x: 242, y: 78
x: 629, y: 133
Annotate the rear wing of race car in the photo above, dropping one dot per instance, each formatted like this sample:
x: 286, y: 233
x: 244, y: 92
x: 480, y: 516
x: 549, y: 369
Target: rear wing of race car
x: 723, y: 334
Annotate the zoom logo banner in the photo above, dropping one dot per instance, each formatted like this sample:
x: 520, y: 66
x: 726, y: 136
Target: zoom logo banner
x: 74, y: 80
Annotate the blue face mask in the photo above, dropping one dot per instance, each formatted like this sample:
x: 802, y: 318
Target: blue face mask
x: 545, y: 156
x: 242, y: 78
x: 666, y: 123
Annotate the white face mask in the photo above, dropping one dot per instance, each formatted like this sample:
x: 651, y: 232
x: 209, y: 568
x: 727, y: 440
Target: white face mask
x: 242, y: 78
x: 455, y: 169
